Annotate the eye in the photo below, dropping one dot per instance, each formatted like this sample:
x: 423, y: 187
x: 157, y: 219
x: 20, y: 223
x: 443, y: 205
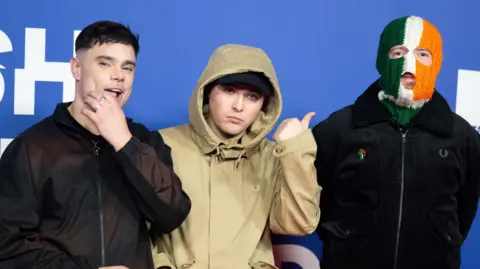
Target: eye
x: 253, y: 97
x: 101, y: 63
x: 396, y: 54
x: 128, y: 68
x: 228, y: 90
x: 424, y: 54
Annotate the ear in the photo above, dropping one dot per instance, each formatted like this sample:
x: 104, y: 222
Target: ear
x: 207, y: 91
x: 75, y: 68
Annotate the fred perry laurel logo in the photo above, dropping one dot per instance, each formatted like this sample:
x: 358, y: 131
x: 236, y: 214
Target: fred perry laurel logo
x: 443, y: 153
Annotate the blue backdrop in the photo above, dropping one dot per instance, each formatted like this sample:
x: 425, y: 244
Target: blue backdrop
x: 324, y: 53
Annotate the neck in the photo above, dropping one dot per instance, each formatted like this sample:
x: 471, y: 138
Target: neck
x: 402, y: 115
x: 75, y: 109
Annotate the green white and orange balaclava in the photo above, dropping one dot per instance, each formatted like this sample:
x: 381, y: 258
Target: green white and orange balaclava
x: 412, y: 32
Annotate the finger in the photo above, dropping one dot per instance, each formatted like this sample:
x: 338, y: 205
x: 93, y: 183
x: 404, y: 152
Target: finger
x: 286, y: 121
x: 307, y: 118
x: 94, y: 94
x: 106, y: 98
x: 101, y: 98
x: 282, y: 124
x: 92, y: 103
x: 90, y: 114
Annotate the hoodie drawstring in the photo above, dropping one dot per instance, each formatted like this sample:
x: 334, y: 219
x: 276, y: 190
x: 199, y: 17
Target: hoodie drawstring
x: 237, y: 162
x: 237, y: 156
x: 217, y: 154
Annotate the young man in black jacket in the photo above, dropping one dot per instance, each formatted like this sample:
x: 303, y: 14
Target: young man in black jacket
x: 77, y: 188
x: 400, y: 171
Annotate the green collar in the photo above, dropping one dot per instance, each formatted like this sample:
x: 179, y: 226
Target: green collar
x: 402, y: 115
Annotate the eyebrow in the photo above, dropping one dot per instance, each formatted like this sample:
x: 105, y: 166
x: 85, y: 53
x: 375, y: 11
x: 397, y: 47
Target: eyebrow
x: 110, y: 58
x: 250, y: 90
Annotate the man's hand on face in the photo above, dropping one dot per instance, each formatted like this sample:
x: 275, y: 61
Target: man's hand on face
x: 292, y: 127
x: 108, y: 117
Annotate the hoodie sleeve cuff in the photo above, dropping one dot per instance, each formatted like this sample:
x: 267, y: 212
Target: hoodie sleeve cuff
x: 302, y: 141
x: 161, y: 260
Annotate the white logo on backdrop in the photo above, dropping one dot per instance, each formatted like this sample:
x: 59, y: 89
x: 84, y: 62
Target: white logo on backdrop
x: 35, y: 69
x: 468, y: 96
x: 5, y: 46
x: 298, y: 254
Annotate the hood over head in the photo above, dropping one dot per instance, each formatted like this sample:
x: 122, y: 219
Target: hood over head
x: 230, y: 63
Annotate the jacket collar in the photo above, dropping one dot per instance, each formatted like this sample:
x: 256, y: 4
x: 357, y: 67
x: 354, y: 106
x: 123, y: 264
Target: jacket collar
x: 67, y: 122
x: 435, y: 116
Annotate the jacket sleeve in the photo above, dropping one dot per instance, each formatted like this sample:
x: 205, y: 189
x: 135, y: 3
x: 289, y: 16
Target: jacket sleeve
x: 295, y: 209
x: 469, y: 192
x: 21, y: 246
x: 155, y: 186
x: 328, y: 140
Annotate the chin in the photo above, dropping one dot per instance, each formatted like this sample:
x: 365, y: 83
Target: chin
x: 232, y: 131
x: 120, y: 103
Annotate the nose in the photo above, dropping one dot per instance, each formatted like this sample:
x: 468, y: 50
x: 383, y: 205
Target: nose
x: 238, y: 103
x: 117, y: 74
x: 410, y: 63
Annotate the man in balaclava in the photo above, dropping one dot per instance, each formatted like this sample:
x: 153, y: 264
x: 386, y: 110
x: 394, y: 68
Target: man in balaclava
x: 409, y: 60
x: 399, y: 170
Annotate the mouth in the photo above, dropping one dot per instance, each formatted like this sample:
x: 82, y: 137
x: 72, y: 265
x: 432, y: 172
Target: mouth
x: 408, y: 75
x: 408, y: 80
x: 235, y: 120
x: 114, y: 92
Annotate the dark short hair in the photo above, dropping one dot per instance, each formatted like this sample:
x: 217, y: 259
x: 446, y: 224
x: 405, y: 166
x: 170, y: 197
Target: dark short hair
x: 102, y: 32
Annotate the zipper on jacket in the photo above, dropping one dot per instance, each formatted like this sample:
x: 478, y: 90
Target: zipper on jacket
x: 400, y: 206
x: 96, y: 148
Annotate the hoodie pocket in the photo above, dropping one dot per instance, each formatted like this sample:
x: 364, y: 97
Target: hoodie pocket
x: 448, y: 233
x: 261, y: 265
x: 348, y: 239
x: 349, y: 227
x: 186, y: 265
x: 444, y: 242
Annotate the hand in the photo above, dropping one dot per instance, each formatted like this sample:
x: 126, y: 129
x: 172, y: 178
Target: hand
x: 114, y: 267
x: 108, y: 117
x: 292, y: 127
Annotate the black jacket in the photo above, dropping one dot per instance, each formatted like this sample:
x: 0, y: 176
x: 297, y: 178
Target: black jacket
x: 67, y: 200
x: 396, y: 197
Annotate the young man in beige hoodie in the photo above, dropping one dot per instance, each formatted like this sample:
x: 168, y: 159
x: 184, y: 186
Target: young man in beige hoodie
x: 242, y: 186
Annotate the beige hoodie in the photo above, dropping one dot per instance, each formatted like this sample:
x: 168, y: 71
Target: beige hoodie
x: 239, y: 192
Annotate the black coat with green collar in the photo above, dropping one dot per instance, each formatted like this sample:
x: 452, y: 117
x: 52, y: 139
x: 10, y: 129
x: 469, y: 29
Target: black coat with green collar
x: 396, y: 197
